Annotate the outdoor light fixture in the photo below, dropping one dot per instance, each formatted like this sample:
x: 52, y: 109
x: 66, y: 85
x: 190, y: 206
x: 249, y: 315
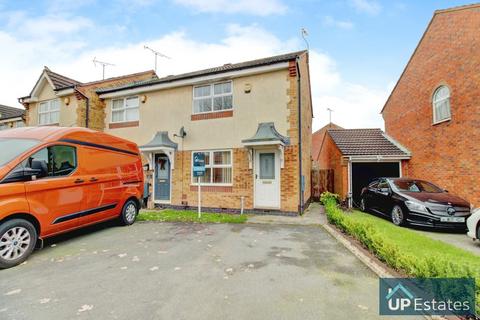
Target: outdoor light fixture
x: 146, y: 167
x: 66, y: 101
x: 143, y: 98
x: 248, y: 88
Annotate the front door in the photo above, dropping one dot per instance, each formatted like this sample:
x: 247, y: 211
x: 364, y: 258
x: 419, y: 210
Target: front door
x: 267, y: 179
x: 162, y: 178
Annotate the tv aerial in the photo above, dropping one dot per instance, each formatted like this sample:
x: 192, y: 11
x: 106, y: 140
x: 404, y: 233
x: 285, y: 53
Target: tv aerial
x: 156, y: 54
x: 103, y: 64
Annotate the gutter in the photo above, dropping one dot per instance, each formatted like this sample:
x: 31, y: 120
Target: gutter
x: 299, y: 104
x: 87, y: 106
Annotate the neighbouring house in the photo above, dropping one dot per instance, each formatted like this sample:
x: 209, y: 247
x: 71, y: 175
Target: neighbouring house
x: 358, y: 156
x: 317, y: 139
x: 11, y: 117
x: 434, y: 109
x: 59, y: 100
x: 251, y: 120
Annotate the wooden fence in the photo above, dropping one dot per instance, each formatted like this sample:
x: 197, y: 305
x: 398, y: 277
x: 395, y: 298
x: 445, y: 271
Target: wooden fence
x: 322, y: 180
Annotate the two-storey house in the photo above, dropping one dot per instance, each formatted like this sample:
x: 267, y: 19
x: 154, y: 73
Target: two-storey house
x: 434, y: 109
x: 11, y: 117
x: 251, y: 120
x: 58, y: 100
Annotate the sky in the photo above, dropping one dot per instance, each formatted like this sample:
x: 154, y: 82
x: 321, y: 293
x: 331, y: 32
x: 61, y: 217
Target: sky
x: 358, y: 48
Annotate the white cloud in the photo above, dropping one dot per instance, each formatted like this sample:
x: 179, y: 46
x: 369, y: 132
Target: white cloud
x: 255, y: 7
x: 355, y: 105
x: 366, y: 6
x: 342, y: 24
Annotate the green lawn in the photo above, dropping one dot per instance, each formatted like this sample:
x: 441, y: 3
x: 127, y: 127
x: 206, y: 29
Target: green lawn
x: 169, y: 215
x: 417, y: 244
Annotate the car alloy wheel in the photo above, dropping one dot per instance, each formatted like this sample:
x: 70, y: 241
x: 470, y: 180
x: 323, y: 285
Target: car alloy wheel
x: 130, y: 212
x: 14, y: 243
x: 397, y: 216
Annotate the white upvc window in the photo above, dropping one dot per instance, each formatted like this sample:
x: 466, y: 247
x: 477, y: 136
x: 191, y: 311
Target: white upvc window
x: 218, y: 168
x: 213, y: 97
x: 125, y: 109
x: 49, y: 112
x: 441, y: 104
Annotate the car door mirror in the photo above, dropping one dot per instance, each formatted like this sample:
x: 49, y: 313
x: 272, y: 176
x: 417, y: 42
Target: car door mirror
x: 384, y: 190
x: 38, y: 168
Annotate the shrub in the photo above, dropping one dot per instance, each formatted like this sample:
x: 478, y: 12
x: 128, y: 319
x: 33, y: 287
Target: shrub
x: 433, y: 264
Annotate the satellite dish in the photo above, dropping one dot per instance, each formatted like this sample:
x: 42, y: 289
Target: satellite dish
x: 182, y: 132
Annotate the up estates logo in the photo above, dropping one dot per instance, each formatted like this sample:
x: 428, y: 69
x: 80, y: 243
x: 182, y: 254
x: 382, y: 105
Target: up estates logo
x: 399, y: 298
x: 427, y: 296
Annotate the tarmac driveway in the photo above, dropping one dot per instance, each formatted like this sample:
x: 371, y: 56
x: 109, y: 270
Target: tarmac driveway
x: 191, y: 271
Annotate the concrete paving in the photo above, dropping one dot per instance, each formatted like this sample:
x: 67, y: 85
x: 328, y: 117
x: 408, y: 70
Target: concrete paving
x: 457, y: 239
x: 191, y: 271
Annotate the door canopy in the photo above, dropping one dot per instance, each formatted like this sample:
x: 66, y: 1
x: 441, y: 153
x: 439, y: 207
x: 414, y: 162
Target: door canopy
x: 160, y: 143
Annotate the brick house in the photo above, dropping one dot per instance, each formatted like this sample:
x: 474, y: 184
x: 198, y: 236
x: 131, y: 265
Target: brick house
x: 58, y: 100
x: 11, y: 117
x: 318, y: 138
x: 252, y: 120
x: 358, y: 156
x: 434, y: 109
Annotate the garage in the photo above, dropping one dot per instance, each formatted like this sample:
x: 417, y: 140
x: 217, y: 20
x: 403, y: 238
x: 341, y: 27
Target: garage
x: 358, y: 156
x: 364, y: 172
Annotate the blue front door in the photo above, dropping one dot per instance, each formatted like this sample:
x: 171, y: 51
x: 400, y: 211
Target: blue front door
x: 162, y: 177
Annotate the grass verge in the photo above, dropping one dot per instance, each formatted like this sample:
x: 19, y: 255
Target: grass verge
x: 404, y: 250
x: 169, y: 215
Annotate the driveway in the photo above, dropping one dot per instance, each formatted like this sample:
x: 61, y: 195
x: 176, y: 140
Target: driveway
x: 458, y: 239
x: 191, y: 271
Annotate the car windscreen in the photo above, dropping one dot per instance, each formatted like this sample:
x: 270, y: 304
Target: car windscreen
x: 10, y: 148
x: 415, y: 186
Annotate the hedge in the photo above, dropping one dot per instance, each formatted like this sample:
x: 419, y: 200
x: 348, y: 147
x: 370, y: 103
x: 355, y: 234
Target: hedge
x: 398, y: 257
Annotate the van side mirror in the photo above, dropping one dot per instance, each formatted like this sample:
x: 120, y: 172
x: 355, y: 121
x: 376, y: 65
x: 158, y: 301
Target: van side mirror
x: 39, y: 169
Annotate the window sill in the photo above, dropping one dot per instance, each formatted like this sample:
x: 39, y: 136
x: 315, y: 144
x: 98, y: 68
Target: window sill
x: 212, y: 115
x: 441, y: 121
x: 212, y: 188
x: 117, y: 125
x: 56, y: 124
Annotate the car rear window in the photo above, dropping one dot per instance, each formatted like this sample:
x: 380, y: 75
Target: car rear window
x: 416, y: 186
x: 12, y: 148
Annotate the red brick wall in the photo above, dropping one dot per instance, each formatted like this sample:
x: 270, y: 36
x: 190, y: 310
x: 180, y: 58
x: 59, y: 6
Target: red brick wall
x: 330, y: 157
x: 446, y: 153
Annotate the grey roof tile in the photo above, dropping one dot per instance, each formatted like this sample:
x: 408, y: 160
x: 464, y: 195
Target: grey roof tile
x: 10, y: 112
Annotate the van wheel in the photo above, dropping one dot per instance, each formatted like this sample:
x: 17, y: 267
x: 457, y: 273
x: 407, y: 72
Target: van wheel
x: 129, y: 213
x: 17, y: 241
x: 398, y: 217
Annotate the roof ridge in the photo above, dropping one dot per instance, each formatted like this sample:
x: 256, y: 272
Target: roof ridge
x: 60, y: 75
x: 120, y: 77
x: 457, y: 8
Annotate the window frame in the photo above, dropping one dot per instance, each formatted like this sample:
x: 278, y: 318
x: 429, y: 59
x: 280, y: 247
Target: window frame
x: 434, y: 102
x: 49, y: 102
x: 212, y: 166
x: 124, y: 109
x: 22, y: 162
x: 212, y: 96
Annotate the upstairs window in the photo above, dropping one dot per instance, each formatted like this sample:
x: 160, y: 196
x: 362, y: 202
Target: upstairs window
x: 49, y: 112
x: 441, y: 104
x: 125, y: 109
x: 212, y: 97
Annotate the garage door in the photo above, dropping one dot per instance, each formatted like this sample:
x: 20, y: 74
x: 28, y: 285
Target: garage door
x: 364, y: 172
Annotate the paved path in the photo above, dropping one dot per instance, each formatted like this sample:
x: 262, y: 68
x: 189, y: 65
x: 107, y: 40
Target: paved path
x: 192, y: 271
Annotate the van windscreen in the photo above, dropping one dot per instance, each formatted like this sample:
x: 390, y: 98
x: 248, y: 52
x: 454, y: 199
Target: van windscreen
x: 11, y: 148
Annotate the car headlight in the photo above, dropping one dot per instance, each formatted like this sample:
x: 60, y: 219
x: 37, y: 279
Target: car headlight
x: 415, y: 206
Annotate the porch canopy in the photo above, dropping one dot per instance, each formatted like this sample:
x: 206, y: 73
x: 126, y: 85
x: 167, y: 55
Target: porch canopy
x: 265, y: 136
x: 160, y: 143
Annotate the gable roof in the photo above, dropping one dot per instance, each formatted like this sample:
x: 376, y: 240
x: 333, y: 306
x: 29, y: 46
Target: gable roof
x: 449, y: 10
x: 59, y: 81
x: 7, y: 112
x: 211, y: 71
x: 366, y: 142
x: 318, y: 137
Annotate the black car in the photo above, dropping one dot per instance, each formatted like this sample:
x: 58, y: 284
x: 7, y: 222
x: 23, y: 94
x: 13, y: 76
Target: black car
x: 415, y: 202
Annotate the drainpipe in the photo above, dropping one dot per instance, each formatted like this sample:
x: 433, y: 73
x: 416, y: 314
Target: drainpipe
x: 87, y: 106
x: 299, y: 105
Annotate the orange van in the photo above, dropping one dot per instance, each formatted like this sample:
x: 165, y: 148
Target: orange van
x: 53, y: 180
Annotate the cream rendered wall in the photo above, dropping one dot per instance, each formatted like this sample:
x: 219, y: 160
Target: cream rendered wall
x: 68, y: 114
x: 170, y: 109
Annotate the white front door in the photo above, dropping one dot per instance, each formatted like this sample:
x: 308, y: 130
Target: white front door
x: 267, y: 179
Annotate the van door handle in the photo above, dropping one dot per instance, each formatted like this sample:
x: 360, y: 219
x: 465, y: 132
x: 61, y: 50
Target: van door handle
x: 79, y: 181
x: 93, y: 179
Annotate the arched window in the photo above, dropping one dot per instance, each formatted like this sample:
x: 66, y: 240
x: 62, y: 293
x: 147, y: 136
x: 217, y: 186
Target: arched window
x: 441, y: 104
